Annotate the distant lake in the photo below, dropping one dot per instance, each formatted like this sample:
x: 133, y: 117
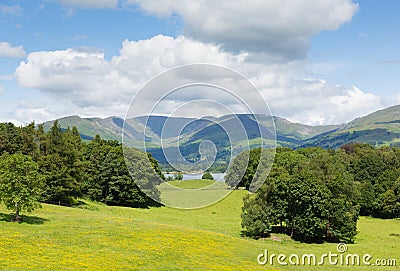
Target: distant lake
x: 217, y: 176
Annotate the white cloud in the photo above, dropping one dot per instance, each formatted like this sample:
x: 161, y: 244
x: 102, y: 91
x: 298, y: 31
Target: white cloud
x: 90, y: 3
x: 280, y: 29
x: 6, y: 50
x: 84, y: 82
x: 14, y: 10
x: 317, y: 102
x: 83, y: 77
x: 1, y: 88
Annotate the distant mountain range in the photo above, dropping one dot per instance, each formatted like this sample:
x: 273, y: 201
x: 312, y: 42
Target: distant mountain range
x: 379, y: 128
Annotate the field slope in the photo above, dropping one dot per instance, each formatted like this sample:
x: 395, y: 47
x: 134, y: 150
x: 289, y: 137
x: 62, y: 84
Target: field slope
x: 100, y: 237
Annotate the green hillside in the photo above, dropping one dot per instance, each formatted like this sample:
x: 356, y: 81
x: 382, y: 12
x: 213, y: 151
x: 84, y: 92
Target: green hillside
x: 379, y: 128
x: 99, y: 237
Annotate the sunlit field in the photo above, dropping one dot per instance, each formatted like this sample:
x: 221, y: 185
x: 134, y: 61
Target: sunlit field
x: 99, y: 237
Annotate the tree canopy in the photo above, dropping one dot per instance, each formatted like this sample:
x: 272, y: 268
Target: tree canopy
x: 207, y: 176
x: 69, y: 168
x: 314, y: 194
x: 20, y: 183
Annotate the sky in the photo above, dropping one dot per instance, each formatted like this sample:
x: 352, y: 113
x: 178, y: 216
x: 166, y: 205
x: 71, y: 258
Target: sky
x: 314, y: 62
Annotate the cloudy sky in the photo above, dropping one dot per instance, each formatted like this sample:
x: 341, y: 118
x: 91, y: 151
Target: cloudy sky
x: 315, y: 62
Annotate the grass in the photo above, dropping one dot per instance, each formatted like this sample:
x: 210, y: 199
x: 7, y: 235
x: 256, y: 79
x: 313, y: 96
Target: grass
x: 191, y: 184
x: 100, y: 237
x: 191, y: 194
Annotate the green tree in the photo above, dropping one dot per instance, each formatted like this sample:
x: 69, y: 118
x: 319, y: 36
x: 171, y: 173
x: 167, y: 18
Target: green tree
x: 20, y: 183
x: 245, y: 164
x: 390, y: 204
x: 62, y: 166
x: 94, y: 185
x: 309, y: 194
x: 28, y: 140
x: 207, y: 176
x: 178, y: 176
x: 108, y: 179
x: 143, y: 174
x: 154, y: 164
x: 10, y: 138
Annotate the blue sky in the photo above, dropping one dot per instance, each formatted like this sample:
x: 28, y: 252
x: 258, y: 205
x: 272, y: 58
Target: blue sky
x: 316, y: 63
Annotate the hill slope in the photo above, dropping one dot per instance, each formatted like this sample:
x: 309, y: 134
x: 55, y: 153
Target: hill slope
x: 378, y: 128
x: 101, y: 237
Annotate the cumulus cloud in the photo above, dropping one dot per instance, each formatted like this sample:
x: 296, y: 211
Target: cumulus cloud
x: 276, y: 29
x: 82, y: 76
x: 99, y: 87
x: 6, y: 50
x: 317, y: 102
x: 90, y: 3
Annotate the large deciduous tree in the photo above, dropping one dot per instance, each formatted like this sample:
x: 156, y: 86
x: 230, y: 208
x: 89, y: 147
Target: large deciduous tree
x: 20, y: 183
x: 309, y: 194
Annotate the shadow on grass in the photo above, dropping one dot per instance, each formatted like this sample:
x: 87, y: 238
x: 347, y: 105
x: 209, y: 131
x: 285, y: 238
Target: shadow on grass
x: 34, y: 220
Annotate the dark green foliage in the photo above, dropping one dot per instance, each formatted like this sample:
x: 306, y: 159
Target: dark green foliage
x: 10, y: 138
x: 378, y: 172
x: 20, y: 183
x: 178, y: 176
x: 250, y: 168
x: 207, y: 176
x: 309, y: 194
x: 62, y: 166
x: 247, y: 163
x: 154, y: 165
x: 114, y: 179
x: 72, y: 169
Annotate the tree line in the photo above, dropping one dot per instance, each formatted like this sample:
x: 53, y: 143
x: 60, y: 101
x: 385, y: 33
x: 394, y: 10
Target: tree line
x: 57, y: 167
x: 314, y: 194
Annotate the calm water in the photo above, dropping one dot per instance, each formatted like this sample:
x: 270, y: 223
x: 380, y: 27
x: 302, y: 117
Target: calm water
x: 217, y: 176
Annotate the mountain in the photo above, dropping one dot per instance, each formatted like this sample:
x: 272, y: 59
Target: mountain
x: 378, y: 128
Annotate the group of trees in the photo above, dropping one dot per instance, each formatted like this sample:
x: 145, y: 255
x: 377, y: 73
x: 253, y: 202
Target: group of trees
x: 314, y: 194
x: 57, y: 167
x: 207, y: 176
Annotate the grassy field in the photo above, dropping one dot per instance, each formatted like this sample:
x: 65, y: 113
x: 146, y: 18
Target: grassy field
x: 99, y: 237
x: 191, y: 184
x: 189, y: 194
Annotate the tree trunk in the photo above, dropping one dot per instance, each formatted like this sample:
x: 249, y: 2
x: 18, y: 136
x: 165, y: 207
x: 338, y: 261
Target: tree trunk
x: 17, y: 218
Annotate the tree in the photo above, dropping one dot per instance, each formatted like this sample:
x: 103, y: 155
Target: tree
x: 143, y: 175
x: 62, y: 166
x: 178, y: 176
x: 309, y: 193
x: 10, y: 138
x: 20, y: 183
x: 267, y: 207
x: 154, y: 164
x: 236, y: 170
x: 94, y: 185
x: 28, y: 143
x: 390, y: 204
x: 207, y: 176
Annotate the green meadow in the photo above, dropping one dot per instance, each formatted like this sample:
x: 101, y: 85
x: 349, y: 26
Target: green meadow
x: 99, y: 237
